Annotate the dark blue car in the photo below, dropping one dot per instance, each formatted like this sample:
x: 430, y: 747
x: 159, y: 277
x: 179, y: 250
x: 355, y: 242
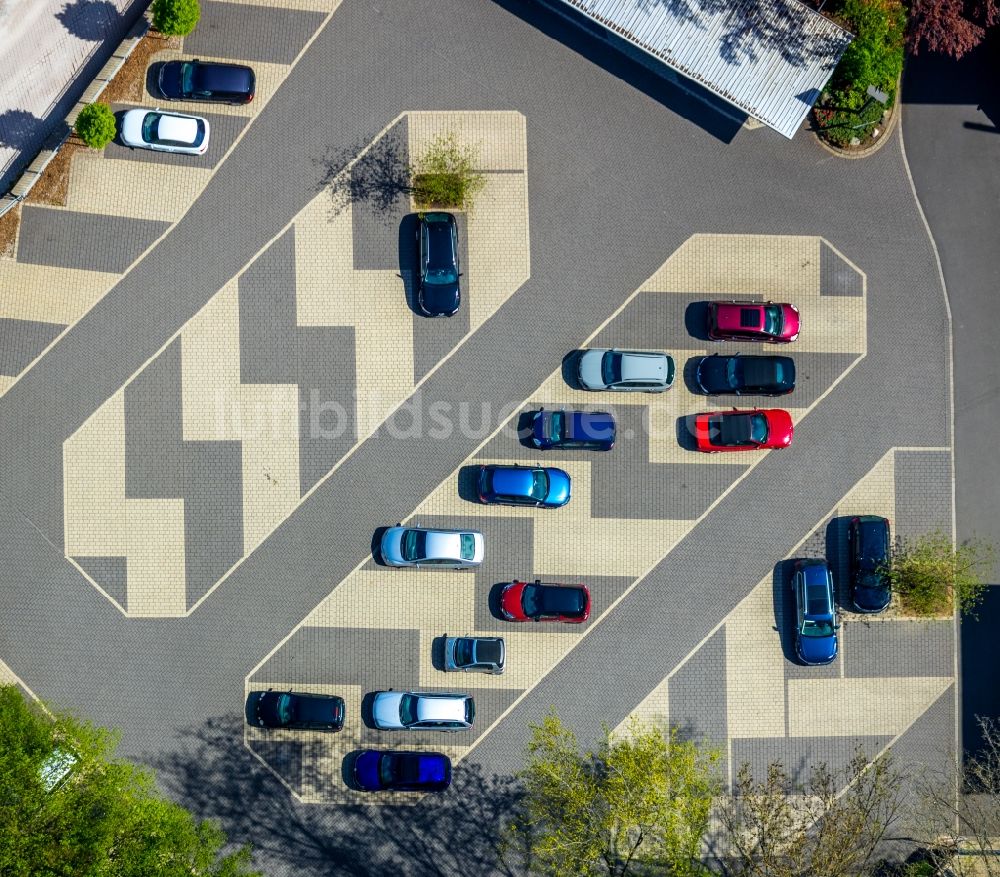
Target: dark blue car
x: 207, y: 81
x: 573, y: 430
x: 438, y: 290
x: 755, y: 375
x: 375, y: 771
x: 546, y: 488
x: 815, y: 615
x: 869, y: 539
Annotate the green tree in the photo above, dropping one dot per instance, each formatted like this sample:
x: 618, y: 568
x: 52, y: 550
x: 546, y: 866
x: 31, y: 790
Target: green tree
x: 875, y: 56
x: 832, y: 826
x: 95, y: 125
x: 931, y: 574
x: 642, y: 800
x: 175, y: 18
x: 445, y: 175
x: 106, y: 819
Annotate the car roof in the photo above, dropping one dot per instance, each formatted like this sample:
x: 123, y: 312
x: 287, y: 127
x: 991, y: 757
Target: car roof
x: 181, y: 129
x: 441, y: 707
x: 561, y: 600
x: 443, y: 543
x: 513, y: 480
x: 735, y: 429
x: 759, y: 370
x: 643, y: 366
x: 489, y: 650
x: 234, y: 78
x: 597, y: 425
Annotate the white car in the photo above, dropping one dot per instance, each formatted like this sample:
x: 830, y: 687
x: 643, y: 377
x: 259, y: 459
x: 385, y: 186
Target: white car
x: 165, y: 132
x: 421, y: 546
x: 423, y: 710
x: 626, y: 370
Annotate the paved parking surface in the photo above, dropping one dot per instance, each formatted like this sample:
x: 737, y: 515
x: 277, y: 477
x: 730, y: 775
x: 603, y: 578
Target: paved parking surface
x: 175, y: 486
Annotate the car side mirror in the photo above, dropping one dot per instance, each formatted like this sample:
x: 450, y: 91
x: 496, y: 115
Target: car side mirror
x: 836, y: 627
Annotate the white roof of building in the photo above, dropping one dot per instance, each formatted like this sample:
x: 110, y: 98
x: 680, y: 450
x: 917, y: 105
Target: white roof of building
x: 769, y: 58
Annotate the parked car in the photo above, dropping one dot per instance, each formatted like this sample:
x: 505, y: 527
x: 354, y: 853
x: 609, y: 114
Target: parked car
x: 476, y: 654
x: 869, y: 542
x: 165, y: 132
x: 625, y: 370
x: 423, y: 546
x: 207, y: 81
x: 734, y: 430
x: 423, y: 710
x: 757, y: 375
x: 573, y: 430
x: 774, y: 322
x: 376, y: 771
x: 521, y: 601
x: 815, y: 614
x: 438, y: 291
x: 541, y: 487
x: 290, y: 709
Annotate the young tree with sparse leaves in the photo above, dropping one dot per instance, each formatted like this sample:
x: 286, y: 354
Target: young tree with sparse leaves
x: 106, y: 818
x: 642, y: 800
x: 446, y: 176
x: 832, y: 826
x: 95, y: 125
x: 175, y: 18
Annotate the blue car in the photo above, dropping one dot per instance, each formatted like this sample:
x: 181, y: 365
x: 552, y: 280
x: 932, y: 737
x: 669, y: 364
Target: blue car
x: 573, y: 430
x: 375, y: 771
x: 815, y: 614
x: 546, y: 488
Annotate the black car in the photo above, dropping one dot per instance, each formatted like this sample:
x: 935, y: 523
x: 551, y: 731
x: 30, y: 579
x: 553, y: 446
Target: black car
x: 438, y: 290
x: 738, y: 375
x: 207, y: 81
x: 869, y: 540
x: 573, y: 430
x: 288, y: 709
x: 402, y: 771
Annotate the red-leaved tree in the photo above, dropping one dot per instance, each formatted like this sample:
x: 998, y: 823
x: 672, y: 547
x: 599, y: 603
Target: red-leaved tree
x: 950, y: 27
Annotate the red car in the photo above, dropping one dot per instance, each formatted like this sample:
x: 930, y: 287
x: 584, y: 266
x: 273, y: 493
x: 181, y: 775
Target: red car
x: 743, y: 430
x: 521, y: 601
x: 774, y: 322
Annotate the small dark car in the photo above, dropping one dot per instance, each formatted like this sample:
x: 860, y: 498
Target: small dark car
x: 438, y: 289
x: 375, y: 771
x: 573, y: 430
x: 523, y: 601
x: 289, y: 709
x: 755, y: 375
x: 869, y: 541
x: 207, y: 81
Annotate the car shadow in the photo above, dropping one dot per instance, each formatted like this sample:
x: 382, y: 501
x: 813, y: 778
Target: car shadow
x: 696, y: 320
x: 408, y: 257
x: 117, y: 140
x: 686, y: 433
x: 784, y: 607
x: 525, y: 429
x: 376, y: 546
x: 838, y: 556
x: 367, y: 710
x: 569, y: 369
x: 153, y: 80
x: 468, y: 484
x: 690, y: 372
x: 493, y: 600
x: 437, y: 652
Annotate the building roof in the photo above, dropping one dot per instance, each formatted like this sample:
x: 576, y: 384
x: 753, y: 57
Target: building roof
x: 768, y: 58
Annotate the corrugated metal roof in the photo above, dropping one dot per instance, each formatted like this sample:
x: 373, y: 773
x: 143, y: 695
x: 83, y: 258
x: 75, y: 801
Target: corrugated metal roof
x: 769, y: 58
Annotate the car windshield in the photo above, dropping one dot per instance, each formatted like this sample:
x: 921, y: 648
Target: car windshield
x: 463, y: 652
x: 398, y: 769
x: 408, y: 709
x: 816, y: 628
x: 539, y: 484
x: 414, y: 545
x: 733, y: 373
x: 440, y: 276
x: 557, y: 425
x: 285, y: 708
x: 611, y: 368
x: 468, y: 542
x: 149, y: 126
x: 187, y: 79
x: 529, y: 601
x: 772, y: 320
x: 758, y: 428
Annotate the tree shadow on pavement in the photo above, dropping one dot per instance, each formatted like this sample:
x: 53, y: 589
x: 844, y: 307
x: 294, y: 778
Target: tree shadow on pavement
x: 90, y: 20
x: 459, y: 831
x: 379, y: 177
x: 19, y: 129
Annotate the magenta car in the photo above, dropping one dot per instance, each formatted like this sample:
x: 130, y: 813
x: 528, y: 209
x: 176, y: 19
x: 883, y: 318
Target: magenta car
x: 773, y: 322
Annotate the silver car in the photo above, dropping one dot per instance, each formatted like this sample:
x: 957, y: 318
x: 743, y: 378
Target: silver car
x: 423, y: 546
x: 635, y: 371
x: 476, y: 654
x: 165, y: 132
x: 423, y: 710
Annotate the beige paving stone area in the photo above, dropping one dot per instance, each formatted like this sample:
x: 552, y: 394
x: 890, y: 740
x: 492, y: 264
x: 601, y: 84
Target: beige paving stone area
x: 264, y: 418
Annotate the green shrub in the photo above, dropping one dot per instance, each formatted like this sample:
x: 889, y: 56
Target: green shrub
x: 930, y: 574
x: 175, y: 18
x: 445, y: 175
x: 875, y: 57
x: 96, y: 126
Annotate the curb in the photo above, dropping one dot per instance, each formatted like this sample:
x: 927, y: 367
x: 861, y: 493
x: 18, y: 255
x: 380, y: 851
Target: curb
x: 890, y: 129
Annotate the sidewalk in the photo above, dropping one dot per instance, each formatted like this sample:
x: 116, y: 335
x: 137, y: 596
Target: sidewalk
x: 49, y: 51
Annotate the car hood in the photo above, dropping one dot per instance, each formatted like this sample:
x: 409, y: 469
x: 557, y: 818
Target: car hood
x: 169, y: 80
x: 510, y: 600
x: 390, y: 547
x: 818, y: 649
x: 711, y: 373
x: 589, y: 369
x: 366, y: 769
x: 872, y: 599
x: 440, y: 299
x: 779, y: 428
x: 131, y: 128
x: 385, y: 709
x: 559, y: 486
x: 790, y: 322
